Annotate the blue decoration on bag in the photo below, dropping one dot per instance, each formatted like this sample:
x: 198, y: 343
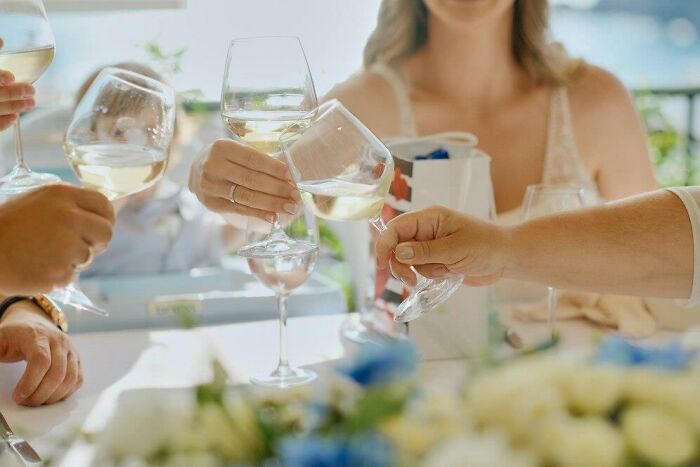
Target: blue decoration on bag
x: 438, y: 154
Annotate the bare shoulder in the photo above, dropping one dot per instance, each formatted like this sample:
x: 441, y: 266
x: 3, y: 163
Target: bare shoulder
x: 597, y: 92
x: 369, y: 96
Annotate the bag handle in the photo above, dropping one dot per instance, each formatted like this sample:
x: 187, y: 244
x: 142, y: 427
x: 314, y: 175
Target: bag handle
x: 460, y: 137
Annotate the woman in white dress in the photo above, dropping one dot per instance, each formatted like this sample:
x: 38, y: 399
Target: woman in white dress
x: 487, y: 67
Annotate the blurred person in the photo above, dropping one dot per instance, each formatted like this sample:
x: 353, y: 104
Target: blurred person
x: 164, y: 228
x: 489, y: 68
x: 643, y: 245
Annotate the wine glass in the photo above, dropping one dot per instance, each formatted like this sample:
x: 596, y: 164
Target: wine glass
x: 543, y: 200
x: 118, y: 143
x: 27, y: 51
x: 267, y: 87
x: 343, y: 172
x: 283, y: 272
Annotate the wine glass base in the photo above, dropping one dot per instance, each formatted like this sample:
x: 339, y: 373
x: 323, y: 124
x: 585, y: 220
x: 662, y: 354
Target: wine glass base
x: 270, y: 248
x: 423, y: 300
x: 290, y: 377
x: 369, y: 328
x: 76, y: 298
x: 20, y: 182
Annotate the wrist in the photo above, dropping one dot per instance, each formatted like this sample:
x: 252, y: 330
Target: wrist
x: 507, y: 251
x: 24, y: 309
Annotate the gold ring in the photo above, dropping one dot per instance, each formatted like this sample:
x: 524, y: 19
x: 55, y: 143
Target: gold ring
x: 232, y: 192
x: 87, y: 262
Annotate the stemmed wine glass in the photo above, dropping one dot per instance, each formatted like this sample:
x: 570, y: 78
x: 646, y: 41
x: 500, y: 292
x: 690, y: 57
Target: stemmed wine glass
x: 267, y: 88
x: 543, y: 200
x: 118, y: 143
x: 343, y: 172
x: 283, y: 272
x: 27, y: 51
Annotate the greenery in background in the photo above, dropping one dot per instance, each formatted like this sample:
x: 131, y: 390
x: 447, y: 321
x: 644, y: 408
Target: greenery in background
x: 669, y: 147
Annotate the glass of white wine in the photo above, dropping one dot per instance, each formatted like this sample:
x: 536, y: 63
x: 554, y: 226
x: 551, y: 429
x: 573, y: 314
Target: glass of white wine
x: 283, y: 272
x: 118, y: 142
x: 27, y: 51
x: 267, y: 89
x: 343, y: 172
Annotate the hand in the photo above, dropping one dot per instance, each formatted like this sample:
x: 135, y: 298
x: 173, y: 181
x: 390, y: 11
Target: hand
x: 53, y: 369
x: 264, y: 185
x: 14, y: 98
x: 47, y: 233
x: 438, y: 242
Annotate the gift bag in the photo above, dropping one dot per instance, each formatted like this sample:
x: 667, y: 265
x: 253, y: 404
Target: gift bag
x: 444, y: 169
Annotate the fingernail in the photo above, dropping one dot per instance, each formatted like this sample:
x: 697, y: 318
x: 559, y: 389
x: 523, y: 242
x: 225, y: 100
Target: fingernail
x: 439, y: 272
x: 291, y: 208
x: 404, y: 252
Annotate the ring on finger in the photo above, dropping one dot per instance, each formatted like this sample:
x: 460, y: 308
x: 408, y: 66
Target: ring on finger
x: 232, y: 192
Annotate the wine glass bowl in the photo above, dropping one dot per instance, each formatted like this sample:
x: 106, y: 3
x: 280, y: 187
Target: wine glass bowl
x: 344, y: 172
x: 119, y: 138
x: 27, y: 51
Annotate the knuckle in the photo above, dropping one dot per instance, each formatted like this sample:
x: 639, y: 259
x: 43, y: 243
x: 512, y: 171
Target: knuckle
x: 249, y: 179
x: 244, y: 196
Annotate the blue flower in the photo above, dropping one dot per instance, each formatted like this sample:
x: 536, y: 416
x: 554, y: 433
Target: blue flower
x: 314, y: 451
x: 623, y: 352
x: 381, y: 364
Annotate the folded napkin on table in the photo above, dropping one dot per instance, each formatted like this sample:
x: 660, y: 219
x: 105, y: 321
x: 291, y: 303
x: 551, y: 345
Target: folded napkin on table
x: 631, y: 316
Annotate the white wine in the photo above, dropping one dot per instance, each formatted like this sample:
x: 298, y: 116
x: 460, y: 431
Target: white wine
x: 262, y: 130
x: 117, y: 170
x: 284, y: 272
x: 27, y: 65
x: 341, y: 200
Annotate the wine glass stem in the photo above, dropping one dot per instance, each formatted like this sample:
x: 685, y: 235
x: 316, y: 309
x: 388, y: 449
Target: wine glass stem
x: 283, y: 364
x: 19, y: 152
x: 421, y: 281
x: 276, y: 230
x: 551, y: 311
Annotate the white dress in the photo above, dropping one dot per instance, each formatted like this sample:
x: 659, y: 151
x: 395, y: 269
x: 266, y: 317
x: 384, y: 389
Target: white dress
x: 691, y: 199
x: 562, y: 163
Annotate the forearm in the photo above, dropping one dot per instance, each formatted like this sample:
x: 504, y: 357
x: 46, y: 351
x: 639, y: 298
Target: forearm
x: 639, y: 246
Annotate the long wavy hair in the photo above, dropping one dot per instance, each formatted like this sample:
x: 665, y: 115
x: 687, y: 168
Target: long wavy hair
x: 402, y: 28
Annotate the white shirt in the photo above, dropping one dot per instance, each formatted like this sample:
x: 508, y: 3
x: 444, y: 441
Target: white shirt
x: 691, y: 199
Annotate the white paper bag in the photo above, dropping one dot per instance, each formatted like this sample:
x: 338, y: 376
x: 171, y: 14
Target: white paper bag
x: 459, y: 327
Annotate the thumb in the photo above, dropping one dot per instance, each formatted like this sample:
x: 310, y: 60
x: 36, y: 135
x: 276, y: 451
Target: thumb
x: 442, y: 250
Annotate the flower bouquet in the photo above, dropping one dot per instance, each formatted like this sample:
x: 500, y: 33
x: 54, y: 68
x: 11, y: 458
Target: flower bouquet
x: 624, y: 406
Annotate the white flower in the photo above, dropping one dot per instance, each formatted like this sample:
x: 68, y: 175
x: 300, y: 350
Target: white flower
x: 231, y: 432
x: 592, y: 390
x: 658, y: 436
x: 580, y: 442
x: 477, y: 450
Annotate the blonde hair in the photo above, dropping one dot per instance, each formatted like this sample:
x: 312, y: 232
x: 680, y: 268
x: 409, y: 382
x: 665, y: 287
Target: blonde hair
x: 402, y: 28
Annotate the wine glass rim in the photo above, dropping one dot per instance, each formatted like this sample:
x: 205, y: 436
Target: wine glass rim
x: 273, y: 36
x: 328, y: 106
x: 158, y: 87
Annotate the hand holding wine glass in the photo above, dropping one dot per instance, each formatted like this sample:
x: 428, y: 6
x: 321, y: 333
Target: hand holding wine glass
x: 118, y: 143
x: 27, y: 51
x: 14, y: 98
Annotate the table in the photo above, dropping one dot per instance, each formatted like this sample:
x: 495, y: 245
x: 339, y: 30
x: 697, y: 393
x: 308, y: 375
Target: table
x: 117, y: 361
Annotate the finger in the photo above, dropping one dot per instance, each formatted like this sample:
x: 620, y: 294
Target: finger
x: 6, y: 121
x: 386, y: 242
x: 246, y: 156
x: 80, y: 379
x: 251, y: 178
x: 224, y: 206
x: 6, y: 78
x: 15, y: 107
x: 403, y: 273
x: 251, y: 198
x: 68, y: 386
x: 96, y: 231
x: 95, y: 202
x: 52, y: 379
x: 479, y: 281
x: 443, y: 251
x: 433, y: 271
x: 16, y: 92
x: 38, y: 356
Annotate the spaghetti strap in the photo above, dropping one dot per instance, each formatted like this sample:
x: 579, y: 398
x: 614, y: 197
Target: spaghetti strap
x: 407, y: 122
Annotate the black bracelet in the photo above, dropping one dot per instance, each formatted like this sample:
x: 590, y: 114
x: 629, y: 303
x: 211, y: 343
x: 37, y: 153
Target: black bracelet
x: 8, y: 302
